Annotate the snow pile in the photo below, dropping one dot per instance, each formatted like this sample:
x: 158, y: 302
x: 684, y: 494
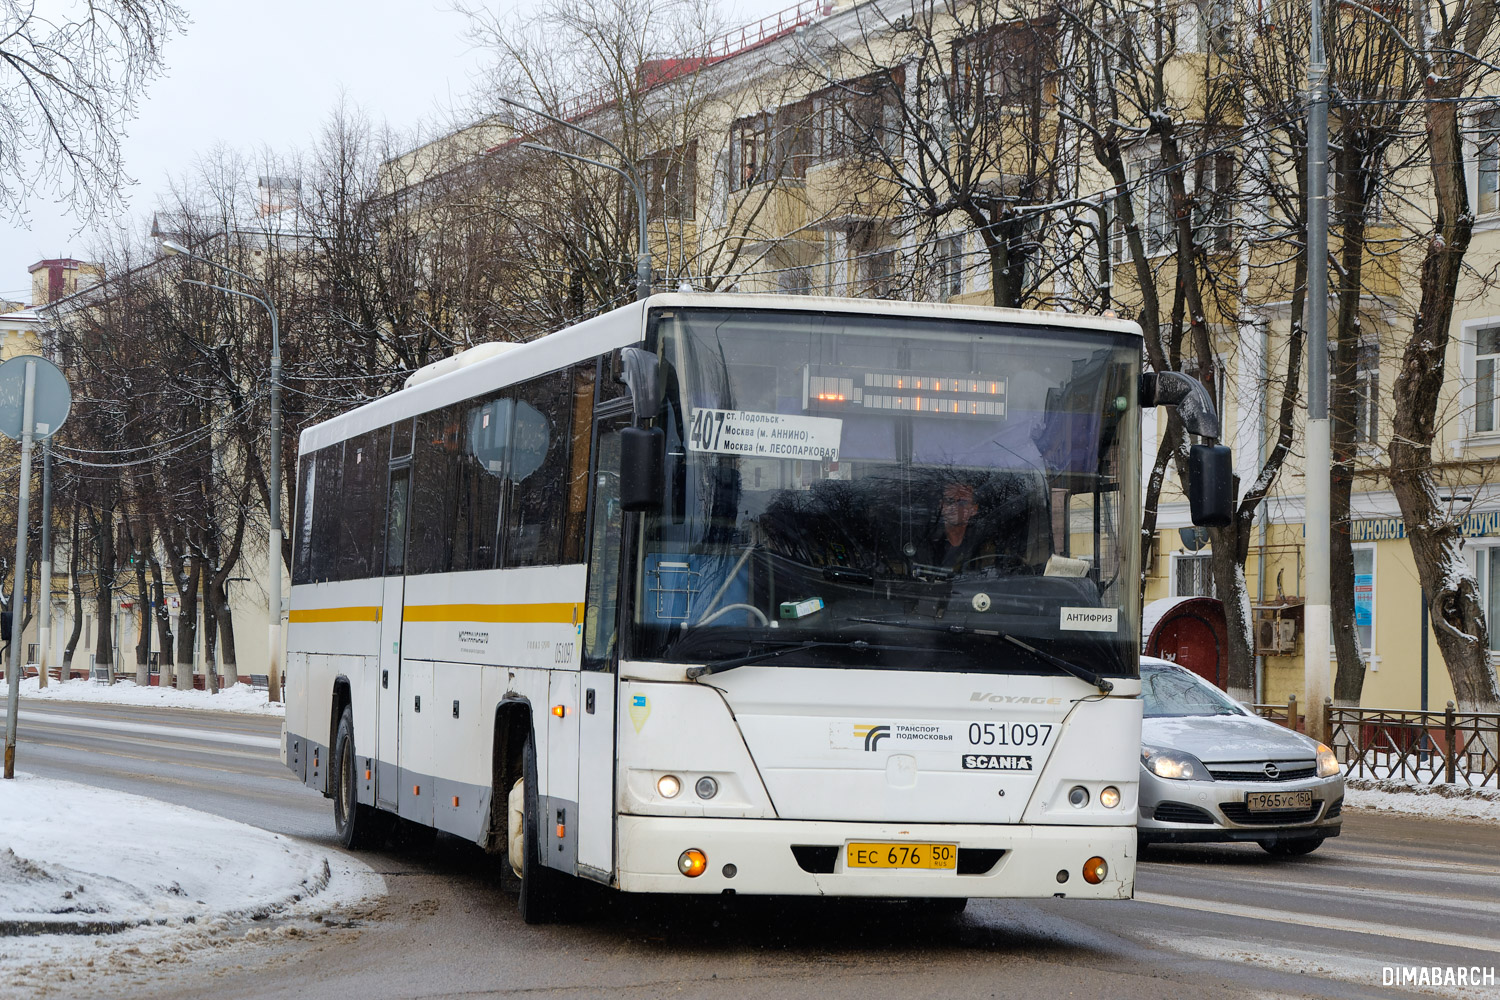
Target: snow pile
x: 237, y: 698
x: 1439, y: 801
x: 96, y: 883
x: 74, y: 853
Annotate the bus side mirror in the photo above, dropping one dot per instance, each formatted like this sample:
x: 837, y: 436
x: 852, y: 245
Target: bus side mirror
x: 1210, y: 485
x: 641, y: 482
x: 1188, y: 395
x: 641, y: 371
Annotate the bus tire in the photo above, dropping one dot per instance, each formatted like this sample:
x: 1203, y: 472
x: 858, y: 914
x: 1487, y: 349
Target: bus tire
x: 546, y: 893
x: 359, y: 826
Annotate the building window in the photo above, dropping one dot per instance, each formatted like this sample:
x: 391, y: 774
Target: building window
x: 1193, y: 574
x: 1367, y: 394
x: 795, y: 280
x: 1487, y: 569
x: 859, y: 117
x: 672, y: 183
x: 749, y: 151
x: 1149, y: 198
x: 951, y: 266
x: 1366, y: 384
x: 1488, y: 137
x: 872, y: 261
x: 1001, y: 71
x: 1486, y: 353
x: 1212, y: 183
x: 1364, y: 598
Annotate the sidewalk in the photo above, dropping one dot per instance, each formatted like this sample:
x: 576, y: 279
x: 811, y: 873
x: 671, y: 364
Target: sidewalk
x: 241, y: 698
x: 88, y: 874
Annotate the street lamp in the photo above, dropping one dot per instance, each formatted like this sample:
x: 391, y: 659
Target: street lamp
x: 625, y: 170
x: 273, y: 579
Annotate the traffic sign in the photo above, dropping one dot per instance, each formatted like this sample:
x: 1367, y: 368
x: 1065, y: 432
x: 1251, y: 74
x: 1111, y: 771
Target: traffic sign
x: 52, y: 398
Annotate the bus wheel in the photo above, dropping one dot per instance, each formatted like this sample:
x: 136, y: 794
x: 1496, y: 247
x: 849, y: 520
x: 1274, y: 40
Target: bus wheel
x: 358, y: 826
x: 545, y: 892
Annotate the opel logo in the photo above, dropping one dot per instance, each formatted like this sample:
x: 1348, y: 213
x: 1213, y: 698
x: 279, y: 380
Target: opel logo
x: 1272, y: 771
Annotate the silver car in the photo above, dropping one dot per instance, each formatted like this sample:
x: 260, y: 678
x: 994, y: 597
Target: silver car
x: 1210, y: 770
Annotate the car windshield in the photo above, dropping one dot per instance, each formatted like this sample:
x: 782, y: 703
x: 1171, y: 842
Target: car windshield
x: 1170, y: 692
x: 834, y: 477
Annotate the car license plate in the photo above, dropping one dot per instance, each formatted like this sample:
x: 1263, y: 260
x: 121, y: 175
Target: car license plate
x: 1270, y: 801
x: 901, y: 856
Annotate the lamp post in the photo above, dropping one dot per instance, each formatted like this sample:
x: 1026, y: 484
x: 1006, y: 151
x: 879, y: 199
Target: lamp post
x: 624, y: 169
x: 273, y: 578
x: 1317, y: 615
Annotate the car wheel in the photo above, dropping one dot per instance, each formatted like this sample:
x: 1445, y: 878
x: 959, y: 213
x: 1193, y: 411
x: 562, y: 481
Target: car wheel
x: 358, y: 826
x: 1292, y: 848
x: 546, y: 893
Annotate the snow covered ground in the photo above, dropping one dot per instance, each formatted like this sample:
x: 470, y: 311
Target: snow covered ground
x: 238, y: 698
x: 93, y: 881
x: 1433, y: 801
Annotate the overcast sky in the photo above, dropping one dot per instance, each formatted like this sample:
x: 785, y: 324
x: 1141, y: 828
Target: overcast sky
x: 267, y: 74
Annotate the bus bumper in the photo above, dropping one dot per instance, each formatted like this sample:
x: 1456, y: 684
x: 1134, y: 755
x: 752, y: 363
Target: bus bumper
x: 808, y: 858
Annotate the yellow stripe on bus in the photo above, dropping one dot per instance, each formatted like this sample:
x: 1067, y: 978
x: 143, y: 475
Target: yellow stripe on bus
x: 506, y: 614
x: 317, y: 615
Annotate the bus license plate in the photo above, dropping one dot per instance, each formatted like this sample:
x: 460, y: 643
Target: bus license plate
x: 901, y: 856
x: 1266, y: 801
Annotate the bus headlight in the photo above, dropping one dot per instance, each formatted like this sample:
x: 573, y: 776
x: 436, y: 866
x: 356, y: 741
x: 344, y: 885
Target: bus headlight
x: 706, y: 787
x: 1109, y: 797
x: 667, y: 786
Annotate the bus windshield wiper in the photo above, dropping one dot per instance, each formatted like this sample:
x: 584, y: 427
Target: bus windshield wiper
x: 789, y: 646
x: 1082, y: 673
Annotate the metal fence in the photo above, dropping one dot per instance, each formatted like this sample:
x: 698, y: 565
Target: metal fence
x: 1426, y: 748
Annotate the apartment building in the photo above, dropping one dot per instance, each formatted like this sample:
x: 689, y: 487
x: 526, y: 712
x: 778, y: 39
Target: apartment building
x: 1082, y: 159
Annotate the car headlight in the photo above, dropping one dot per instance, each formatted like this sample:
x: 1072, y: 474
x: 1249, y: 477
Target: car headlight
x: 1328, y: 764
x: 1174, y: 764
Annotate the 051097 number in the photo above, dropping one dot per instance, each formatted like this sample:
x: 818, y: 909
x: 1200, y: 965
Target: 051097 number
x: 1015, y: 734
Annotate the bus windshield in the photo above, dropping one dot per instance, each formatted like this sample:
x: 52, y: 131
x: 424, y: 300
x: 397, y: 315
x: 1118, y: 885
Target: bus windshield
x: 892, y: 491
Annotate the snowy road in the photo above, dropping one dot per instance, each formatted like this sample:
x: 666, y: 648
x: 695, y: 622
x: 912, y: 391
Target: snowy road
x: 1209, y: 921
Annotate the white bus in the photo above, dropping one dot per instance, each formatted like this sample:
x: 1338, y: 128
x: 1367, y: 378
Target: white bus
x: 721, y: 593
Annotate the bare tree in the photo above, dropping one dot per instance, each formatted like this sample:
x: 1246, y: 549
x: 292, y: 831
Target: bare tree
x: 1453, y: 54
x: 72, y: 77
x: 945, y: 127
x: 706, y: 140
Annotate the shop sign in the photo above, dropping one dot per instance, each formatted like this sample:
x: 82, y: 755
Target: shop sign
x: 1478, y: 525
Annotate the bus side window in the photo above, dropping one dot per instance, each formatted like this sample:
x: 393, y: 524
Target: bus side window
x: 537, y: 510
x: 327, y: 509
x: 302, y: 547
x: 434, y: 491
x: 363, y: 499
x: 479, y: 480
x: 602, y: 599
x: 395, y: 523
x: 578, y: 462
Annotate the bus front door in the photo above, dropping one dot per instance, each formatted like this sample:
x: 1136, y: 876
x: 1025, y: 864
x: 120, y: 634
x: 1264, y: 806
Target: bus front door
x: 596, y: 727
x: 387, y: 774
